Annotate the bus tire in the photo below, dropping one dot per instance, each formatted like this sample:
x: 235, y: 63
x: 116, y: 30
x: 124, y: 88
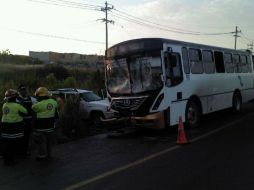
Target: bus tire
x: 237, y: 102
x: 192, y: 114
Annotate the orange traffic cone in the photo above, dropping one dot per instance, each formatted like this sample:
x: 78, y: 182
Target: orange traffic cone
x: 181, y: 139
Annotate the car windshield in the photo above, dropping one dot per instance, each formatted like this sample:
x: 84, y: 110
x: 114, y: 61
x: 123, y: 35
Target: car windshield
x: 89, y: 96
x: 134, y: 74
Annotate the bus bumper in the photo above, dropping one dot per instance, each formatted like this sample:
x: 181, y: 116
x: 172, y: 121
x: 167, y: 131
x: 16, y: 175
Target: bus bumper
x: 154, y: 121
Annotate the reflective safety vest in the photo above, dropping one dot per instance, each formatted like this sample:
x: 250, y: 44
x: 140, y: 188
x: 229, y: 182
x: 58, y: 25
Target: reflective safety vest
x: 11, y: 112
x: 45, y: 115
x: 45, y: 108
x: 12, y: 121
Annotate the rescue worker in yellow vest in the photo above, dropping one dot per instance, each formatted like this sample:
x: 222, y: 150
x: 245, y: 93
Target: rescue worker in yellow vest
x: 12, y: 129
x: 46, y: 113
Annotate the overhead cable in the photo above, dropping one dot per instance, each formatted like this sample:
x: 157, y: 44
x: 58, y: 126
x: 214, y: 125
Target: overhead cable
x: 147, y: 23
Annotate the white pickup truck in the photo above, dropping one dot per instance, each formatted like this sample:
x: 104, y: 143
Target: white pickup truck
x: 91, y: 106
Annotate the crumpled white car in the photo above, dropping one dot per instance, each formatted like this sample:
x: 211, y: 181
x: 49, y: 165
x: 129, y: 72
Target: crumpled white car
x: 91, y: 105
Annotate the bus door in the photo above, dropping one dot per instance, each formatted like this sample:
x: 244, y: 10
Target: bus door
x: 174, y: 77
x: 173, y: 67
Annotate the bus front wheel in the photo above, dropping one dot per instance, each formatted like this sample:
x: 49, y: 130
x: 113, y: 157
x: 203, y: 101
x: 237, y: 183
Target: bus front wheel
x: 237, y: 102
x: 192, y: 114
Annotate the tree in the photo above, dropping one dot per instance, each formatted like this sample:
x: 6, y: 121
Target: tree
x: 51, y: 81
x: 70, y: 82
x: 5, y: 52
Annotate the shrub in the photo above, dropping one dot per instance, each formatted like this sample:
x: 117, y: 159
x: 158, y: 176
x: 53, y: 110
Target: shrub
x: 59, y: 71
x: 70, y: 82
x: 51, y: 82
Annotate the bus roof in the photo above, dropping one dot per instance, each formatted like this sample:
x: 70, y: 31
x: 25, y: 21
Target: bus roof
x: 146, y: 44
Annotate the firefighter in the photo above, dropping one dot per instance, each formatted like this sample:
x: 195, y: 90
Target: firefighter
x: 12, y: 128
x: 27, y: 102
x: 46, y: 113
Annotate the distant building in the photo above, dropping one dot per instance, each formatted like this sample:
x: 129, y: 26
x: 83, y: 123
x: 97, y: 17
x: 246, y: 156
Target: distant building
x: 67, y: 58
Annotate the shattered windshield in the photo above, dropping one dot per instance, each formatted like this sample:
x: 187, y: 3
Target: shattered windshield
x: 118, y: 76
x: 134, y: 74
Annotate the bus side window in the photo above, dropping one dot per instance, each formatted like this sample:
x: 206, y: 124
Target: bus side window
x: 173, y: 69
x: 196, y: 61
x: 249, y: 64
x: 185, y: 57
x: 244, y: 64
x: 252, y: 62
x: 237, y: 63
x: 208, y: 61
x: 229, y: 63
x: 219, y: 62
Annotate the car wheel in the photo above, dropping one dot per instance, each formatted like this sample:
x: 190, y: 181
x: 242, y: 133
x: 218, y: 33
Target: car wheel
x: 96, y: 119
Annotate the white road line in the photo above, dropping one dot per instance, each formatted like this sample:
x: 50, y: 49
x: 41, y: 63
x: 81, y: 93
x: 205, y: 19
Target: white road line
x: 221, y: 128
x: 140, y: 161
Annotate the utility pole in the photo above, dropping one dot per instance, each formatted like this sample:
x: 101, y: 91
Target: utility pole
x: 251, y: 47
x: 106, y: 9
x: 236, y: 34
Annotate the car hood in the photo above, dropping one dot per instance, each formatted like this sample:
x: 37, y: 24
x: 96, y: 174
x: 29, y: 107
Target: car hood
x: 100, y: 102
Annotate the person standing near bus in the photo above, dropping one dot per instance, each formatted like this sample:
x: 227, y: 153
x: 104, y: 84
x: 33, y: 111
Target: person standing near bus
x: 27, y: 102
x: 46, y: 113
x: 12, y: 130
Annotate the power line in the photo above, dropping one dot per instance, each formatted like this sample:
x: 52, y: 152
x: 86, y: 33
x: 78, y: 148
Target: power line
x: 70, y: 4
x: 146, y: 24
x: 143, y: 22
x: 150, y: 24
x: 245, y: 37
x: 181, y: 23
x: 57, y: 37
x: 146, y: 21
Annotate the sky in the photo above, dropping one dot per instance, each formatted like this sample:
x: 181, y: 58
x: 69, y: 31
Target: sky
x: 74, y: 26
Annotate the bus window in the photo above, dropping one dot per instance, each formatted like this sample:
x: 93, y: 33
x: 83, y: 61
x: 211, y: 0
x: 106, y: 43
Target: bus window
x: 244, y: 64
x: 237, y: 63
x: 249, y: 64
x: 195, y: 61
x: 229, y: 63
x: 173, y: 69
x: 219, y: 62
x: 208, y: 62
x: 186, y: 65
x: 253, y: 61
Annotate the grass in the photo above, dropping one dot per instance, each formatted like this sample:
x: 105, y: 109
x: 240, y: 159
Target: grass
x: 50, y: 76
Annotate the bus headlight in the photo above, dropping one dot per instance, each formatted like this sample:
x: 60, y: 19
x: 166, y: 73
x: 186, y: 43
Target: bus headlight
x: 158, y: 101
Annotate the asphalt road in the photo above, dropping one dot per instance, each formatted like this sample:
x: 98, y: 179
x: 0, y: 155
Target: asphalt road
x: 220, y: 155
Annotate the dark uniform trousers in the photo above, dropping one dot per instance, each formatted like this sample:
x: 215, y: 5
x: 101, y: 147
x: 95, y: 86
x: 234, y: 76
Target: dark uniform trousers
x: 43, y: 136
x: 11, y: 149
x: 28, y: 126
x: 28, y: 122
x: 12, y: 138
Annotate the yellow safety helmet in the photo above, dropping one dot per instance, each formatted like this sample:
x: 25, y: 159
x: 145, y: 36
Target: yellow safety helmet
x: 10, y: 94
x: 41, y: 91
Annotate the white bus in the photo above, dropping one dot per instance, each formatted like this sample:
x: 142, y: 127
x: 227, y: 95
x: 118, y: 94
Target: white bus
x: 154, y: 81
